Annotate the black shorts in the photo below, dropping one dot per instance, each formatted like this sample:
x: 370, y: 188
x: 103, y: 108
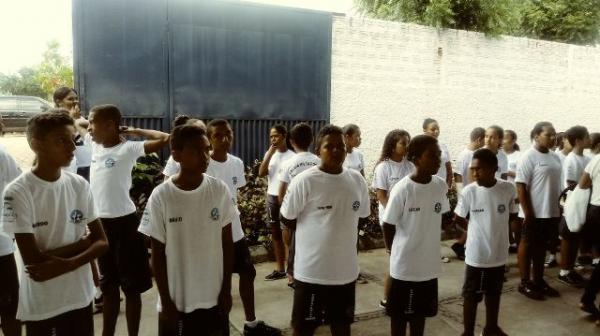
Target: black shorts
x: 207, y: 322
x: 9, y: 286
x: 564, y: 232
x: 590, y: 232
x: 273, y: 207
x: 412, y: 298
x: 126, y: 263
x: 242, y: 261
x: 79, y: 322
x: 481, y: 281
x: 84, y: 172
x: 542, y: 231
x: 291, y: 253
x: 315, y: 305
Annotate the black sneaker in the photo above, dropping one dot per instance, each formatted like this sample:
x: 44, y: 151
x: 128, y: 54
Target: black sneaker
x: 550, y: 262
x: 547, y: 290
x: 585, y: 260
x: 512, y: 249
x: 276, y: 275
x: 572, y: 279
x: 382, y: 304
x: 361, y: 279
x: 531, y: 291
x: 261, y: 329
x: 459, y: 250
x: 590, y: 308
x: 493, y: 332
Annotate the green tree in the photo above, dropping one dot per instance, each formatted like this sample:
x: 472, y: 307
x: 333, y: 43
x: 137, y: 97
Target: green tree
x: 41, y: 80
x: 569, y: 21
x: 492, y: 17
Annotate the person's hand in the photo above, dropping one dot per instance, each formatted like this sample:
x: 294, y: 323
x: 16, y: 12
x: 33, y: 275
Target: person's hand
x: 49, y: 269
x: 224, y: 302
x: 75, y: 112
x: 169, y: 314
x: 272, y: 149
x: 125, y: 129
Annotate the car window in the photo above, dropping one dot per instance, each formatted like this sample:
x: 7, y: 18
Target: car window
x: 8, y: 104
x: 31, y: 105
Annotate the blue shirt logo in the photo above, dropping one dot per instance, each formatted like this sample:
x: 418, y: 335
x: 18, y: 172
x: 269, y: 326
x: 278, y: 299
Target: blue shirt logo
x: 438, y: 207
x: 76, y: 216
x: 501, y: 208
x: 109, y: 163
x: 355, y: 205
x: 214, y: 214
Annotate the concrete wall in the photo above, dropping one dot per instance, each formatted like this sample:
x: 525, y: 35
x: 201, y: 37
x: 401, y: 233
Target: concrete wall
x: 393, y: 75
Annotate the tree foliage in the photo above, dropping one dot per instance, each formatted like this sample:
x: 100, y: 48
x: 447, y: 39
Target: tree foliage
x: 40, y: 80
x: 570, y: 21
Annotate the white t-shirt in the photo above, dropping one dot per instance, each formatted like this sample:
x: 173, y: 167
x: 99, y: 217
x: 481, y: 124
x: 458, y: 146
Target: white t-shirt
x: 110, y: 177
x: 232, y: 173
x: 593, y: 168
x: 275, y: 165
x: 190, y: 225
x: 463, y: 165
x: 502, y: 164
x: 416, y: 210
x: 355, y: 160
x: 83, y: 151
x: 297, y: 164
x: 560, y: 155
x: 172, y: 167
x: 442, y: 172
x: 387, y: 174
x: 327, y: 208
x: 57, y: 213
x: 573, y: 167
x: 541, y: 172
x: 489, y: 211
x: 9, y: 170
x: 513, y: 159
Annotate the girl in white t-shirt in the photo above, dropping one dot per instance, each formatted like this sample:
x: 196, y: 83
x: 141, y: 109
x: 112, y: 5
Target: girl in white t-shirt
x: 391, y: 167
x: 513, y: 153
x: 354, y: 158
x: 432, y: 128
x: 271, y: 166
x: 493, y: 141
x: 412, y: 227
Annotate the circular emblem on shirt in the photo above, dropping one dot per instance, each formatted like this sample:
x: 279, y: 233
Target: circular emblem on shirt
x: 234, y: 180
x: 501, y: 208
x: 76, y: 216
x: 355, y: 205
x: 109, y: 163
x: 214, y: 214
x: 438, y: 207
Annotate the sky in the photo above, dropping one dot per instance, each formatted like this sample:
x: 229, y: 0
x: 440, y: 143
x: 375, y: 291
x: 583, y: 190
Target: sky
x: 26, y: 26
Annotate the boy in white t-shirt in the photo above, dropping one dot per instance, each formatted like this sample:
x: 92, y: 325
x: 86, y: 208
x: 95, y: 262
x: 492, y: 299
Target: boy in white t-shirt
x: 172, y: 166
x: 9, y: 281
x: 58, y: 240
x: 538, y: 187
x: 462, y: 178
x: 354, y: 157
x: 188, y: 213
x: 489, y: 203
x: 391, y: 167
x: 572, y: 170
x: 230, y: 169
x: 324, y: 204
x: 494, y: 136
x: 411, y: 231
x: 125, y: 265
x: 301, y: 137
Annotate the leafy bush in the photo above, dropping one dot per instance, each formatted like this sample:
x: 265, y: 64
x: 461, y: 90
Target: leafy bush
x: 146, y: 175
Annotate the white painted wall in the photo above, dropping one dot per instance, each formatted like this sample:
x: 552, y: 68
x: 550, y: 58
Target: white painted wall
x: 389, y: 75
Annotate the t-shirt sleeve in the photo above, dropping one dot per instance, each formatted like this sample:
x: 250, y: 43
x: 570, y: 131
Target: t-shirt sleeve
x: 524, y: 170
x: 380, y: 177
x: 445, y: 200
x: 460, y: 164
x: 16, y: 211
x: 362, y: 161
x: 12, y: 169
x: 135, y: 149
x: 229, y: 208
x: 153, y: 222
x: 171, y: 167
x: 569, y: 169
x: 284, y: 174
x: 294, y: 200
x: 503, y: 165
x: 513, y: 207
x: 365, y: 202
x: 240, y: 174
x: 463, y: 206
x: 395, y: 206
x: 92, y: 213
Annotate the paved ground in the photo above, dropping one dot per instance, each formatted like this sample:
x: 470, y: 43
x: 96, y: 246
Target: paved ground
x: 519, y: 316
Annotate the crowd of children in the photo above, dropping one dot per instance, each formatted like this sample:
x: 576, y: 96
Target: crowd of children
x: 88, y: 234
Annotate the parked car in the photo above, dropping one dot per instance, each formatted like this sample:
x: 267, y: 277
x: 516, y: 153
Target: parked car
x: 15, y: 110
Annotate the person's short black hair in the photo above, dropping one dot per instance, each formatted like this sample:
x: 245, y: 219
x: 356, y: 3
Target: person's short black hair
x: 539, y: 128
x: 350, y: 129
x: 418, y: 145
x: 576, y: 133
x: 107, y: 112
x: 181, y: 119
x: 328, y: 130
x: 302, y: 135
x: 280, y: 128
x: 498, y: 130
x: 61, y: 93
x: 428, y: 121
x: 184, y: 134
x: 487, y: 157
x: 594, y: 140
x: 477, y: 133
x: 41, y: 124
x: 216, y: 123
